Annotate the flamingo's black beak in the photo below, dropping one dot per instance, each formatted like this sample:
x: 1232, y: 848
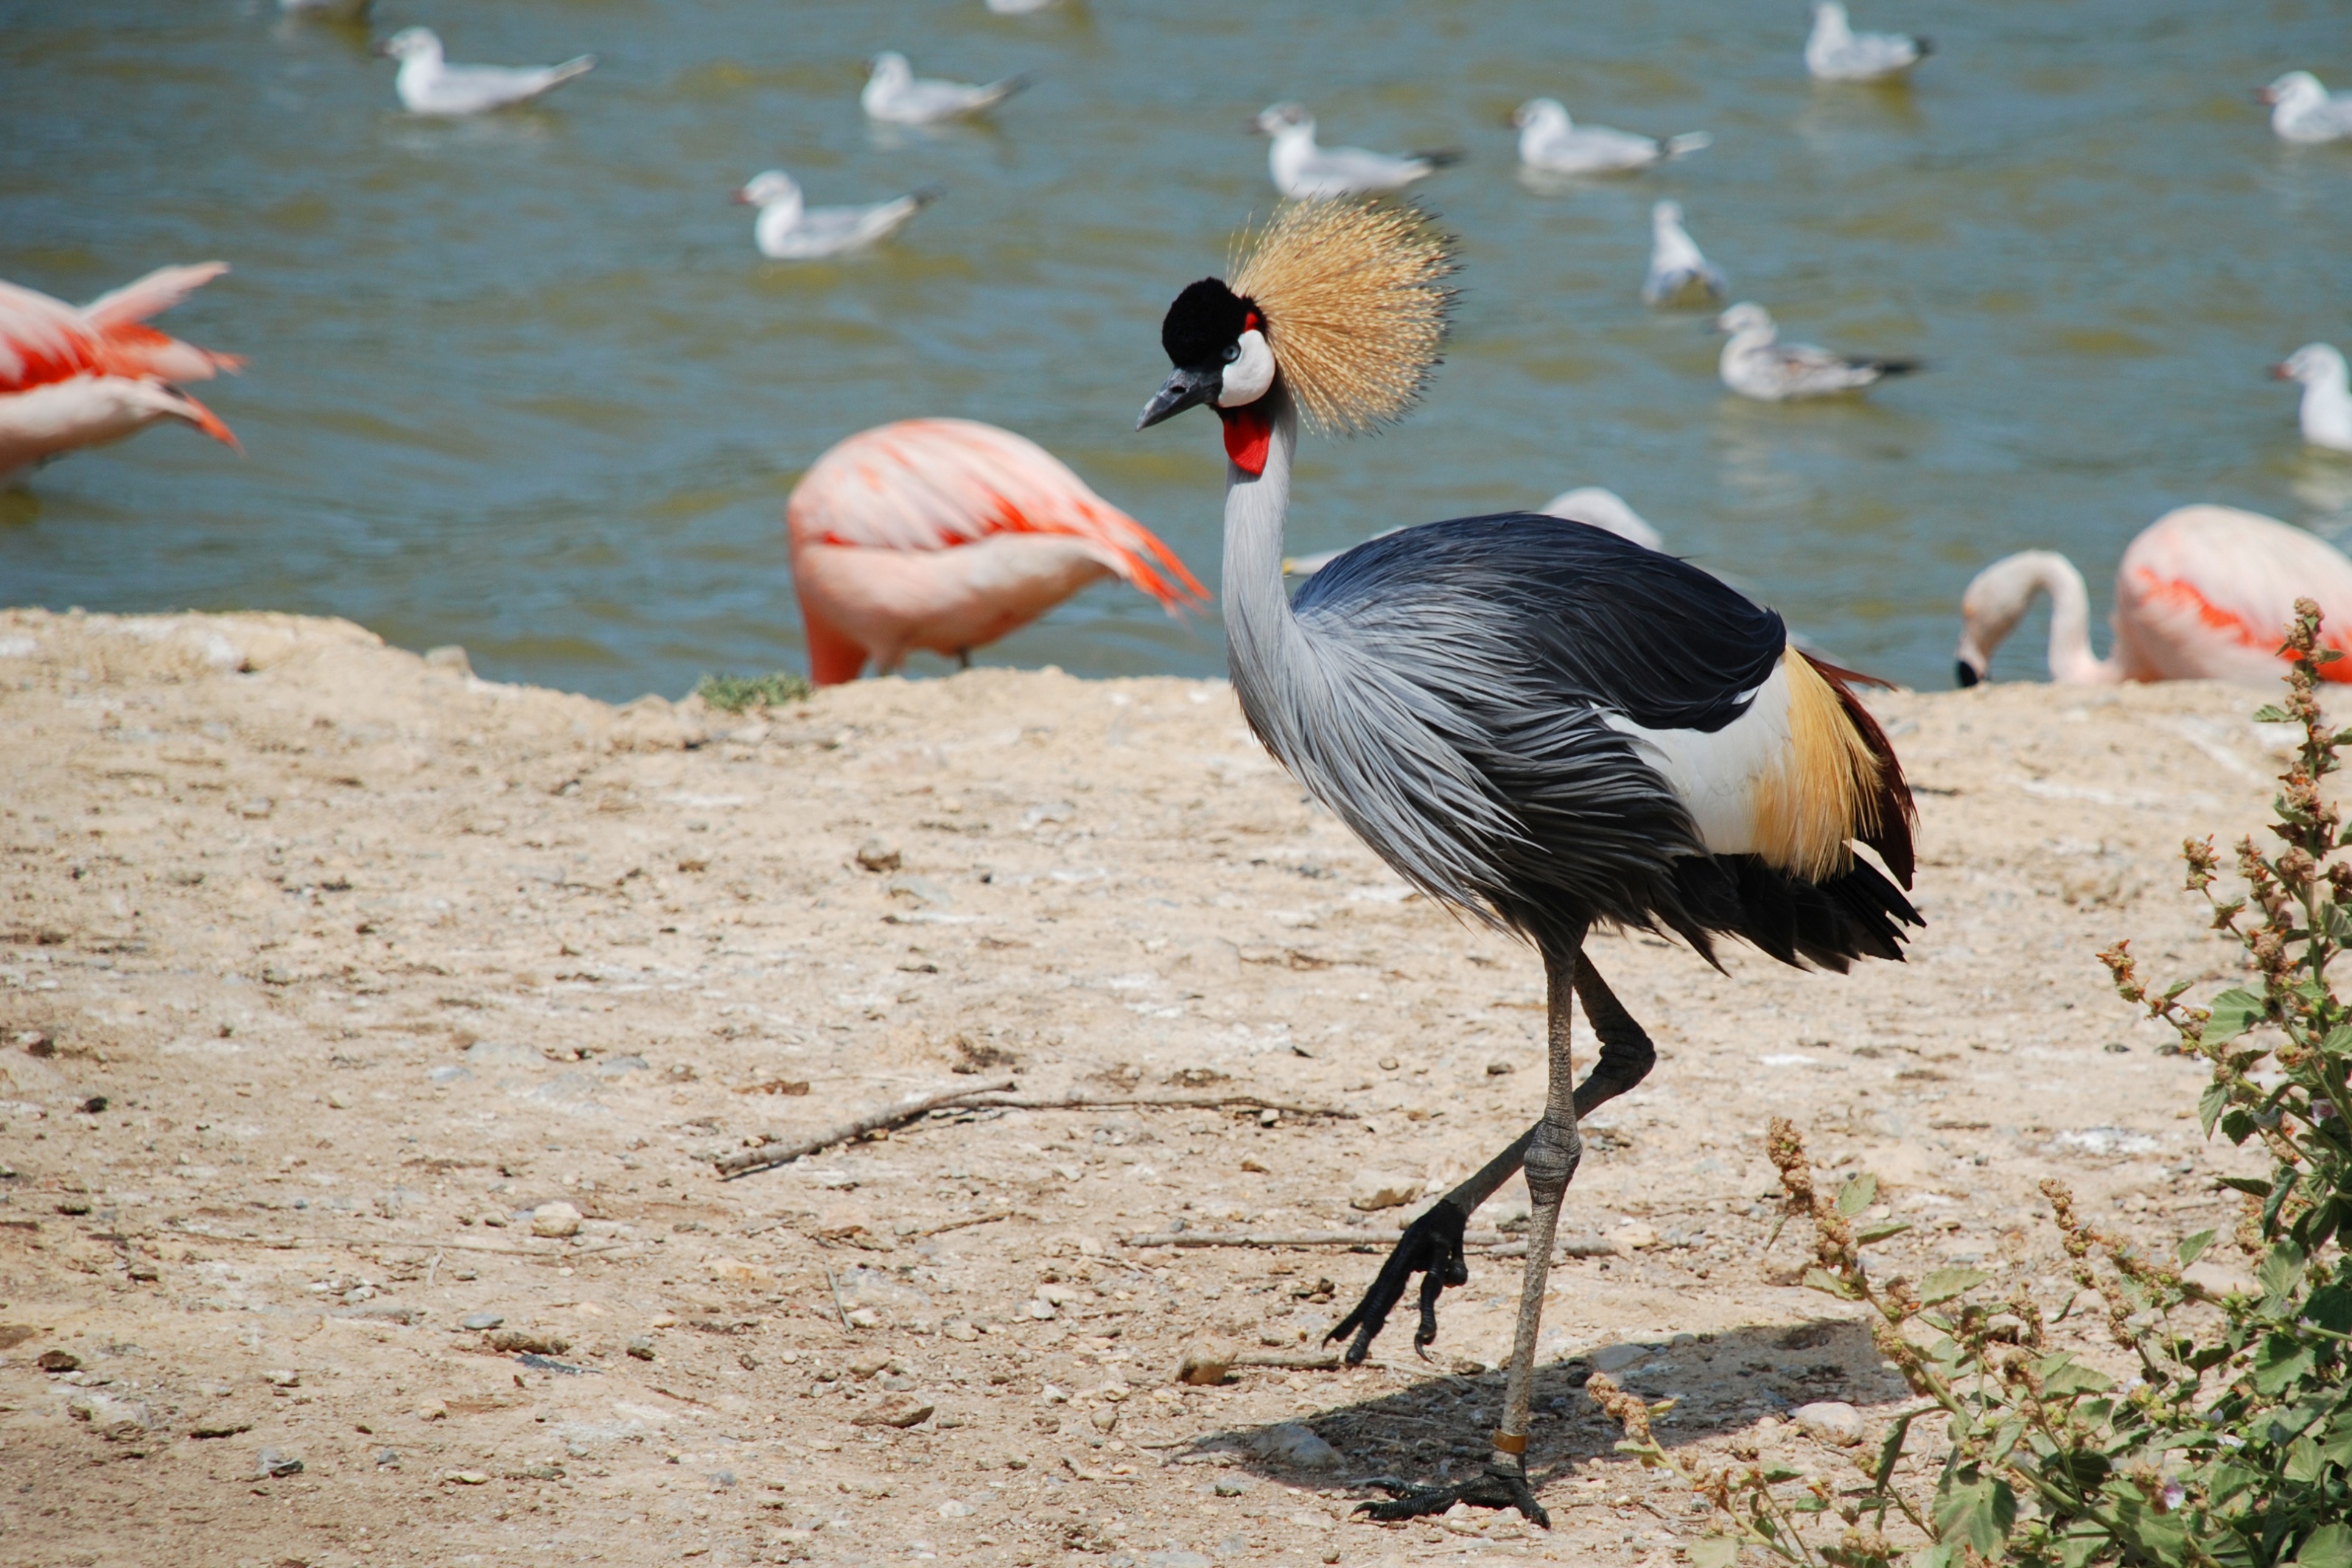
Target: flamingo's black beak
x: 1182, y: 391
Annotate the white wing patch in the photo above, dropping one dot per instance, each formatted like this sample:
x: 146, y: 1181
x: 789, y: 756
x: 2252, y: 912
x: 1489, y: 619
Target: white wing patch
x: 1716, y: 775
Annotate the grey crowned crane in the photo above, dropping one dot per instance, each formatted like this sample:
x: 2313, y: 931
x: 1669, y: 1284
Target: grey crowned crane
x: 1535, y: 722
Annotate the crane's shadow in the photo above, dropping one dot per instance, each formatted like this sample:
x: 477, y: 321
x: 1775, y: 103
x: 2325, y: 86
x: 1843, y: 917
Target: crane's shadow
x: 1436, y: 1428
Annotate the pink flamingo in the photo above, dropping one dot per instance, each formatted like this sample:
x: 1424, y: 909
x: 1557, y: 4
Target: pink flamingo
x: 80, y: 376
x: 2205, y: 593
x: 943, y: 534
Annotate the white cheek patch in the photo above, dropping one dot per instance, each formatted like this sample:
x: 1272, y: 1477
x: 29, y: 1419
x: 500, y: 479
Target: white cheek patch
x: 1247, y: 378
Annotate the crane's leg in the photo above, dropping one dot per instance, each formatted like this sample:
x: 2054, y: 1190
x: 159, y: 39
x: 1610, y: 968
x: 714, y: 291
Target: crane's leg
x: 963, y: 659
x: 1432, y: 1244
x: 1553, y: 1149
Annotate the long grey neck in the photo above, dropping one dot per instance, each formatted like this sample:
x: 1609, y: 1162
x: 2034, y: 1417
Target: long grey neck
x: 1260, y: 631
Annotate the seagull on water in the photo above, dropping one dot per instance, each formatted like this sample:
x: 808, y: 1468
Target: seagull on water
x: 1757, y: 364
x: 1306, y: 172
x: 1018, y: 7
x: 1836, y: 52
x: 1551, y: 143
x: 2302, y: 111
x: 1605, y: 508
x: 428, y: 84
x: 2326, y: 394
x: 788, y: 229
x: 895, y: 95
x: 1678, y: 273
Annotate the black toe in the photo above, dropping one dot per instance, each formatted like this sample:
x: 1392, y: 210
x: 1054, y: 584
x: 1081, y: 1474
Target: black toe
x: 1490, y: 1489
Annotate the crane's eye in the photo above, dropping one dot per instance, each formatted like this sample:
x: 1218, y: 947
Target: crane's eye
x: 1233, y: 351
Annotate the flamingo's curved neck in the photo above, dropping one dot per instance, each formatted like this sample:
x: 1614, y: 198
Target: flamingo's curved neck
x: 2071, y: 662
x: 1259, y: 625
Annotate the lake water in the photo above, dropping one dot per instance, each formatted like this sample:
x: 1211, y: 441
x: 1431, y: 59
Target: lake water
x: 523, y: 383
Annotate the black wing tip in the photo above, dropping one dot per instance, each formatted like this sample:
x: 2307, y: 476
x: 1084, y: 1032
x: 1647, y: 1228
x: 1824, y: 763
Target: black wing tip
x: 1896, y: 366
x: 1965, y: 675
x: 1442, y: 157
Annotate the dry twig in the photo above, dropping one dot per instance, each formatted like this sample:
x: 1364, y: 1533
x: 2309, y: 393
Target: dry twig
x: 778, y: 1152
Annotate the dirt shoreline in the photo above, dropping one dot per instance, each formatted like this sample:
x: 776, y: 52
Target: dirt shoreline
x: 323, y: 971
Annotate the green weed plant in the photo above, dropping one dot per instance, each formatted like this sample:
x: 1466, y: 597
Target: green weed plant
x: 734, y: 693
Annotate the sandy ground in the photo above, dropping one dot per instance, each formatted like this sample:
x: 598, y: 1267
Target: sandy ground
x: 323, y: 967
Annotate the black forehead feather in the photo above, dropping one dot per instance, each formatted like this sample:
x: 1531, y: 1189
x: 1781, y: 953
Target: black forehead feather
x: 1206, y: 319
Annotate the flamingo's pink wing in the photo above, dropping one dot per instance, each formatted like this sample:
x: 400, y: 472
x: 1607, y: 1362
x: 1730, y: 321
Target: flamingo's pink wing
x: 934, y: 484
x: 2207, y: 592
x: 136, y: 349
x: 149, y: 295
x: 43, y: 340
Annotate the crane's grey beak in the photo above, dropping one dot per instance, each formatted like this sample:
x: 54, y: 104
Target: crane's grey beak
x: 1179, y: 392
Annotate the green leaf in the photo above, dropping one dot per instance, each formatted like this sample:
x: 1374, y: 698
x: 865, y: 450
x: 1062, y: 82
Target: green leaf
x: 2004, y: 1440
x: 1776, y: 1474
x: 2330, y: 1307
x: 1822, y: 1280
x: 2282, y: 1361
x: 2272, y: 713
x: 2329, y: 1546
x: 1714, y: 1552
x: 1856, y: 1194
x: 2073, y: 1378
x: 2158, y: 1537
x: 1975, y: 1510
x: 2232, y: 1014
x: 2236, y: 1125
x: 2211, y: 1104
x: 1809, y: 1504
x: 2339, y: 1445
x: 1943, y: 1284
x: 2252, y: 1186
x: 2192, y: 1247
x: 2280, y: 1272
x: 1879, y: 1230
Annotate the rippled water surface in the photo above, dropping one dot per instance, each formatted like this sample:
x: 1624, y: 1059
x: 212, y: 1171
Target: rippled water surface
x: 523, y: 383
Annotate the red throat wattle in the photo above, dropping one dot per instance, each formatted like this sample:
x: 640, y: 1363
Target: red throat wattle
x: 1248, y: 432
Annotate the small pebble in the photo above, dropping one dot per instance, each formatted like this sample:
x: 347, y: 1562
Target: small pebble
x: 479, y: 1322
x: 1830, y: 1420
x: 555, y: 1220
x: 1384, y: 1190
x: 1500, y: 1069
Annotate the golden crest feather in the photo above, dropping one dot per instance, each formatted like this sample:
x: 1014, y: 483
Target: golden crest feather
x: 1355, y: 306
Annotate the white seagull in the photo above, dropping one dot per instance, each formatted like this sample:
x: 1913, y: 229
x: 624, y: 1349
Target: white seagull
x: 895, y: 95
x: 1836, y: 52
x: 1551, y: 143
x: 1607, y: 510
x: 2326, y: 394
x: 1678, y: 273
x: 1306, y: 172
x: 2302, y: 111
x: 428, y: 84
x: 1757, y: 364
x: 1018, y: 7
x: 788, y: 229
